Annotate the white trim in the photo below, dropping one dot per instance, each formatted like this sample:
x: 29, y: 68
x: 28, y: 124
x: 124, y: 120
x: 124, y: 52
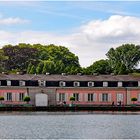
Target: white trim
x: 94, y: 97
x: 8, y: 83
x: 62, y: 84
x: 109, y: 97
x: 57, y: 96
x: 100, y: 97
x: 138, y: 97
x: 86, y: 97
x: 119, y: 84
x: 92, y: 84
x: 21, y: 83
x: 41, y: 83
x: 105, y: 84
x: 76, y: 84
x: 120, y: 97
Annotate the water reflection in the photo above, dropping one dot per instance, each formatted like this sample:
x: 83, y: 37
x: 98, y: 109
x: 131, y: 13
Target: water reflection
x: 70, y: 125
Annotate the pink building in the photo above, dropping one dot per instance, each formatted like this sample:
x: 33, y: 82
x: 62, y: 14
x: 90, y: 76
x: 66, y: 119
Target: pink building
x: 87, y: 89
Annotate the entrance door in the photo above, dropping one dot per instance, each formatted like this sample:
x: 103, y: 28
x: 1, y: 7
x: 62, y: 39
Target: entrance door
x: 41, y: 100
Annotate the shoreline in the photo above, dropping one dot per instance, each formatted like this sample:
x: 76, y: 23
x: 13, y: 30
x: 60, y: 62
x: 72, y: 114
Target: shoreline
x: 74, y: 108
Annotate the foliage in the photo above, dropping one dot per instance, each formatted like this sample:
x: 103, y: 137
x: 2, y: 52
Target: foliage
x: 39, y: 59
x: 26, y: 99
x: 134, y: 99
x: 100, y: 67
x: 1, y: 98
x: 3, y: 58
x: 124, y: 58
x: 54, y: 59
x: 72, y: 98
x: 19, y: 56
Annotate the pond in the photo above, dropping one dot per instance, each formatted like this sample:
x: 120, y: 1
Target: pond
x: 70, y: 125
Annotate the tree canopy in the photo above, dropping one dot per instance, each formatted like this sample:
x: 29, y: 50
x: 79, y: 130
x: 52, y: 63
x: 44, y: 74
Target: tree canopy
x: 54, y: 59
x: 100, y: 67
x: 124, y: 58
x: 39, y: 59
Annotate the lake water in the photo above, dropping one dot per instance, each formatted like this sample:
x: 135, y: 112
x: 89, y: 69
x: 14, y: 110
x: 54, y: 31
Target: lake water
x: 70, y: 125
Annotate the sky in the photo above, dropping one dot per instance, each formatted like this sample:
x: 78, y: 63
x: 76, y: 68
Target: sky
x: 88, y: 28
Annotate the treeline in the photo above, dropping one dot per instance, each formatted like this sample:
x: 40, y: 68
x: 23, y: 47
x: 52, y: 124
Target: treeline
x: 41, y: 59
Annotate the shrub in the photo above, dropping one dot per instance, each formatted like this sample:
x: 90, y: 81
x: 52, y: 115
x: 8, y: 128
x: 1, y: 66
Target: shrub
x: 134, y: 99
x: 72, y: 98
x: 1, y: 98
x: 26, y: 99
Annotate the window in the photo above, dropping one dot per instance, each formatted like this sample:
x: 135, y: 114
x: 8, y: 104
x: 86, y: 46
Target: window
x: 76, y: 96
x: 105, y: 84
x: 42, y: 83
x: 90, y: 84
x: 9, y: 96
x: 90, y: 97
x: 8, y: 83
x: 119, y: 97
x: 62, y: 84
x: 138, y: 97
x: 76, y: 84
x: 22, y: 83
x: 119, y: 84
x: 139, y: 83
x: 21, y: 96
x: 61, y: 96
x: 104, y: 97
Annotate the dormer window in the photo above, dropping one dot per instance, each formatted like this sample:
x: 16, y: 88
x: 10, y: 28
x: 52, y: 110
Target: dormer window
x: 8, y: 83
x: 76, y: 84
x: 90, y: 84
x: 42, y: 83
x: 62, y: 84
x: 105, y: 84
x: 22, y: 83
x: 119, y: 84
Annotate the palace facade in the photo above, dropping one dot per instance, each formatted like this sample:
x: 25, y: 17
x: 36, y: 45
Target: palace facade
x: 50, y: 89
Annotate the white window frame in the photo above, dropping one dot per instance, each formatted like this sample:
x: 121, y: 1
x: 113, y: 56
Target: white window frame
x: 76, y: 84
x: 22, y: 83
x: 120, y: 84
x: 105, y: 99
x: 92, y: 84
x: 9, y: 96
x: 105, y: 84
x: 138, y: 97
x: 62, y: 84
x: 77, y: 96
x: 8, y: 83
x: 42, y: 83
x: 138, y: 83
x: 120, y: 97
x: 62, y: 97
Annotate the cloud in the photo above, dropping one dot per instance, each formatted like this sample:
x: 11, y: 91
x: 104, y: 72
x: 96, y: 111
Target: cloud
x: 90, y: 42
x: 12, y: 21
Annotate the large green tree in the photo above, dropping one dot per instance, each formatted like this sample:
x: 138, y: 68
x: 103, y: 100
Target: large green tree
x: 19, y: 56
x: 3, y: 58
x: 100, y: 67
x: 124, y: 58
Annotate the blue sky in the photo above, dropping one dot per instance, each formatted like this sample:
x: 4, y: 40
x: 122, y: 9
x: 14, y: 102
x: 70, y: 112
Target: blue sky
x: 88, y: 29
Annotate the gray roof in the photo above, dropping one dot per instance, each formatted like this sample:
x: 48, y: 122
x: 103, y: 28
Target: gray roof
x: 69, y: 77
